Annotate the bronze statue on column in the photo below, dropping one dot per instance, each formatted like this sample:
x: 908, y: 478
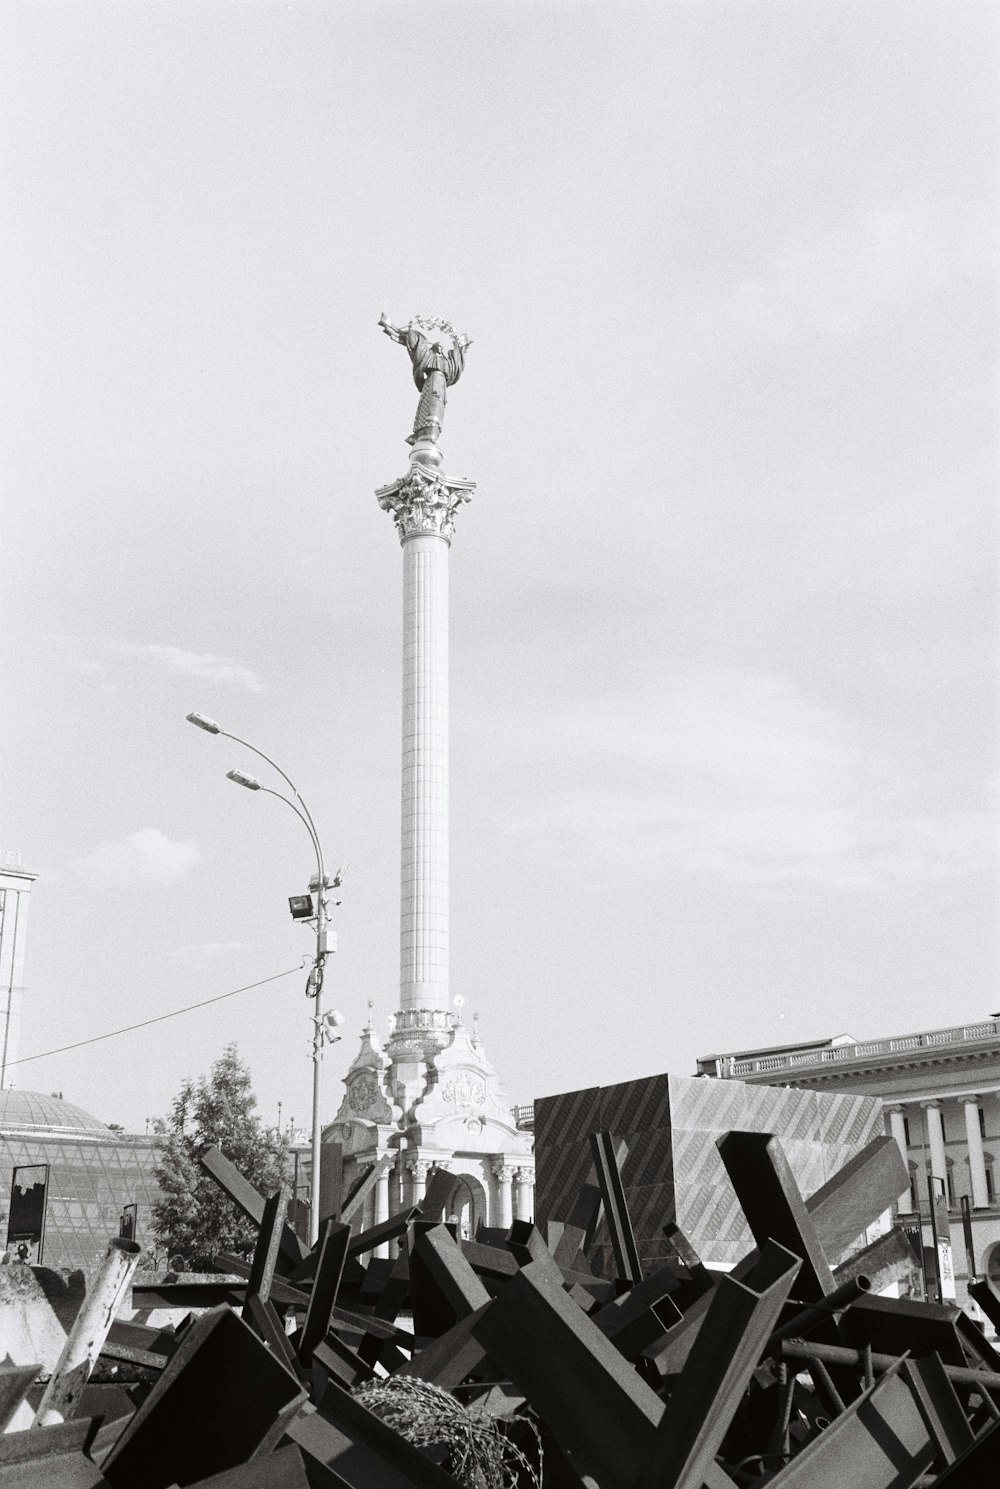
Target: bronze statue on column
x: 435, y: 369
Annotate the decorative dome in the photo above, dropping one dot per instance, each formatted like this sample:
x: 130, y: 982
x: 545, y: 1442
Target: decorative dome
x: 32, y: 1109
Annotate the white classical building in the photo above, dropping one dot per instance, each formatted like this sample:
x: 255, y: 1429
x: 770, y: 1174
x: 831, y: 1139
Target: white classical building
x: 941, y: 1095
x: 430, y: 1099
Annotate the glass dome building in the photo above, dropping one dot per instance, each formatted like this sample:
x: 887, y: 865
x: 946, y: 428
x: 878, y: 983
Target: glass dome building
x: 94, y: 1172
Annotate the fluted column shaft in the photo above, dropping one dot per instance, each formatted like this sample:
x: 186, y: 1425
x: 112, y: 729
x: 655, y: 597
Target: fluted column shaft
x: 423, y: 972
x: 382, y: 1209
x: 977, y: 1158
x: 935, y: 1139
x: 897, y: 1124
x: 504, y: 1175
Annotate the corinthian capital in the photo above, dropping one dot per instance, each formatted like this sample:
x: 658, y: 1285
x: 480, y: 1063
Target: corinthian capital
x: 423, y: 503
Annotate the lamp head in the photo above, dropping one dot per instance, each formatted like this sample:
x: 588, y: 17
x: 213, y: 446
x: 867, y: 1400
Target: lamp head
x: 242, y: 779
x: 209, y: 725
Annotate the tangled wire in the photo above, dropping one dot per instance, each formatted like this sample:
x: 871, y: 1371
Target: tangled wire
x: 480, y: 1454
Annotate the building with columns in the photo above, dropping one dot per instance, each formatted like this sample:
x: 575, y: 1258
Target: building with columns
x: 429, y: 1097
x: 941, y: 1102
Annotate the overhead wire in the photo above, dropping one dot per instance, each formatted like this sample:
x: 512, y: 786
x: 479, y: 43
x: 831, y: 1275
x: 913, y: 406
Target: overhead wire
x: 160, y: 1018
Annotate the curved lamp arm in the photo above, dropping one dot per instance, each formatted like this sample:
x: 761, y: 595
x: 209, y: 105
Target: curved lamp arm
x: 307, y: 821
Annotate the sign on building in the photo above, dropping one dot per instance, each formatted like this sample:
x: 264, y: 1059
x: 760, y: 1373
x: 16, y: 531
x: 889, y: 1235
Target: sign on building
x: 26, y: 1224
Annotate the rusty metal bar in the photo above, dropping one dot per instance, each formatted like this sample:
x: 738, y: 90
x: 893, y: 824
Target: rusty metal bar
x: 333, y: 1239
x: 367, y: 1240
x: 883, y: 1430
x: 261, y: 1317
x: 709, y: 1389
x: 600, y: 1412
x: 281, y: 1290
x: 821, y: 1313
x: 222, y: 1399
x: 775, y: 1210
x: 246, y: 1198
x: 616, y: 1213
x: 85, y: 1339
x: 442, y: 1256
x: 363, y: 1188
x: 266, y: 1251
x: 831, y: 1354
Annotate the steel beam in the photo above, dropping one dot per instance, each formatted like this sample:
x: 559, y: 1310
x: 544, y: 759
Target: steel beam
x: 881, y: 1441
x: 708, y: 1391
x: 246, y: 1198
x: 266, y: 1251
x: 222, y: 1399
x: 619, y: 1222
x: 332, y: 1253
x: 600, y: 1412
x: 775, y: 1210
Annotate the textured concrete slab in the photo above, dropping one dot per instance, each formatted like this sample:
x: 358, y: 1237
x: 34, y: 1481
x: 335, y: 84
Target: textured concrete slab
x: 673, y: 1171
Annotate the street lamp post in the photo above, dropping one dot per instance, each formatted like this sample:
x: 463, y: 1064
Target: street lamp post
x: 323, y: 1024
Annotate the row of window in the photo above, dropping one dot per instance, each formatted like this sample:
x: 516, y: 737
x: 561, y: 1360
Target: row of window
x: 918, y: 1183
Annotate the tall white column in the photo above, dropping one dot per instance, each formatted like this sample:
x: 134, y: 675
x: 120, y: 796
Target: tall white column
x: 423, y: 504
x: 897, y: 1125
x: 977, y: 1158
x: 524, y: 1194
x: 935, y: 1138
x: 423, y: 941
x: 504, y: 1175
x: 382, y: 1208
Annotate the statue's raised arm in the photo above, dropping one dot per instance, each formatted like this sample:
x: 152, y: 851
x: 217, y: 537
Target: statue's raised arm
x: 390, y: 330
x: 435, y: 369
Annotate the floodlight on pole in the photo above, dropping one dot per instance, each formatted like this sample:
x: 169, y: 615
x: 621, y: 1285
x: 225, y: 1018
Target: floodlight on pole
x: 322, y: 1024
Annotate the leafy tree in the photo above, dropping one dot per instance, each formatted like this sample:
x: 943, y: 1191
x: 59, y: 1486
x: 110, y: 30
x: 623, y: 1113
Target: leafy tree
x: 193, y: 1217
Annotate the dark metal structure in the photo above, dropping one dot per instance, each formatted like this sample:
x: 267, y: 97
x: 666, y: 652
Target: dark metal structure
x: 787, y: 1371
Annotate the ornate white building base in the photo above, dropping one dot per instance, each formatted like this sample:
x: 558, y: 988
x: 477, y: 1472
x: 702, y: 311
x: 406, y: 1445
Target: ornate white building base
x: 459, y: 1122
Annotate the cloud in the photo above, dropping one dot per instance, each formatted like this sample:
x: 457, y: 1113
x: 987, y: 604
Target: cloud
x: 194, y: 664
x: 91, y: 658
x: 737, y: 776
x: 146, y: 856
x: 209, y: 949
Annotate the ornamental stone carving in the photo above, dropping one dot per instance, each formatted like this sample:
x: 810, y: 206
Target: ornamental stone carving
x: 363, y: 1093
x: 502, y: 1172
x: 419, y: 1168
x: 423, y: 503
x: 464, y: 1090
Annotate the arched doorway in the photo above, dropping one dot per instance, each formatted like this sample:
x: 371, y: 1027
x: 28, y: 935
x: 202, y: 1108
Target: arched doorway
x: 466, y: 1205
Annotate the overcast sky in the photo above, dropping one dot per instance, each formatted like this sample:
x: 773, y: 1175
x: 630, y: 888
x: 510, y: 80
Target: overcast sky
x: 724, y: 621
